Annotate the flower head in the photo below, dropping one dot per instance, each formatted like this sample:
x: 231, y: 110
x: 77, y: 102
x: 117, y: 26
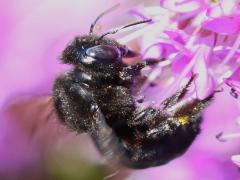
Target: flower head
x: 200, y: 37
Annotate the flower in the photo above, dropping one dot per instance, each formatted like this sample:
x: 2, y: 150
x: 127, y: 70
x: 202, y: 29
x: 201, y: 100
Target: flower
x: 210, y: 37
x: 201, y: 37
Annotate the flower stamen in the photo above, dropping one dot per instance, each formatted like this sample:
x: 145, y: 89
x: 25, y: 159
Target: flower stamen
x: 225, y: 137
x: 232, y: 51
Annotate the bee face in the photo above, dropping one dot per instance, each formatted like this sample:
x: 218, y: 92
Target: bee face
x: 92, y: 51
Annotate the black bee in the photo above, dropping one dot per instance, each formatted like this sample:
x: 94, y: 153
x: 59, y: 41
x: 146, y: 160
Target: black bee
x: 96, y: 97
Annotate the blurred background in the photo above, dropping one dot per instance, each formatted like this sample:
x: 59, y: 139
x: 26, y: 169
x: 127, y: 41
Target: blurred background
x: 33, y: 145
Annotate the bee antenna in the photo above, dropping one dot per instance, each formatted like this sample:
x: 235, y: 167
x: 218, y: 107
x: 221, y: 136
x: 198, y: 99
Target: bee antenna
x: 101, y: 15
x: 114, y: 31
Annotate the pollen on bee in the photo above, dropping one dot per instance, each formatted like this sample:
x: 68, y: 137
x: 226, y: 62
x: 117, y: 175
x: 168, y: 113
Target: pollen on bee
x: 213, y: 1
x: 183, y: 120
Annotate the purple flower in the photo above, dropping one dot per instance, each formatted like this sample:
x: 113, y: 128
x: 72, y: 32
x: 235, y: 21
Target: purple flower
x: 201, y: 37
x: 194, y: 34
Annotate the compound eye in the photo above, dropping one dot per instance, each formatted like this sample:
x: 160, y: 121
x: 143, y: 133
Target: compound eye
x: 128, y: 53
x: 104, y: 52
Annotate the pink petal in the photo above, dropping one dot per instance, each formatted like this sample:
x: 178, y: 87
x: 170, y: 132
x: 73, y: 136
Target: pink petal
x: 236, y: 160
x: 205, y: 83
x: 159, y: 50
x: 221, y: 8
x: 183, y: 6
x: 236, y: 76
x: 180, y: 63
x: 223, y: 25
x: 138, y: 12
x: 219, y: 56
x: 175, y: 36
x: 234, y: 82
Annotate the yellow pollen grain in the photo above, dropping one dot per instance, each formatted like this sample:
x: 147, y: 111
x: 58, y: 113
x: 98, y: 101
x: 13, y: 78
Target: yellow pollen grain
x: 213, y: 1
x: 183, y: 120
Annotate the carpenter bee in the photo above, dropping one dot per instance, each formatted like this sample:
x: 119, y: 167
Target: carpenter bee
x: 96, y: 97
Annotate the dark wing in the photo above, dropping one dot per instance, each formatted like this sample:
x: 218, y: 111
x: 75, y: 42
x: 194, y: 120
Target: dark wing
x: 31, y: 114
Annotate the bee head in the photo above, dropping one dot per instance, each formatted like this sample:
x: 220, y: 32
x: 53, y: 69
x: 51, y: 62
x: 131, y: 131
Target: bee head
x: 92, y: 50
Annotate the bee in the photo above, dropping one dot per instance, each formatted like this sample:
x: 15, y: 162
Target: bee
x: 96, y: 97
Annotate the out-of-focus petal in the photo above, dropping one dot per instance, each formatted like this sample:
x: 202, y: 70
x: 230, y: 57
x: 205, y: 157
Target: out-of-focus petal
x: 138, y: 12
x: 220, y: 8
x: 236, y: 75
x: 223, y: 25
x: 236, y: 159
x: 219, y: 55
x: 234, y: 83
x: 183, y: 6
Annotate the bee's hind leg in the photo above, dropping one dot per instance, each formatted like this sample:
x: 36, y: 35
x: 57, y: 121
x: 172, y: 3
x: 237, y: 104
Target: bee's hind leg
x: 191, y: 111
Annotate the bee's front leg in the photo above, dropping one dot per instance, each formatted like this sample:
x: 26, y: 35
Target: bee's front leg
x: 175, y: 98
x: 128, y: 73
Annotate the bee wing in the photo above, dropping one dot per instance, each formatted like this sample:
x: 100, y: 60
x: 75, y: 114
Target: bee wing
x: 35, y: 118
x: 29, y: 128
x: 33, y: 115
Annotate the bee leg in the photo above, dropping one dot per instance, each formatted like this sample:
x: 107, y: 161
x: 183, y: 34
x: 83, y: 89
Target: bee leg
x: 142, y: 116
x: 201, y: 104
x: 191, y: 111
x: 169, y: 102
x: 130, y: 72
x: 198, y: 105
